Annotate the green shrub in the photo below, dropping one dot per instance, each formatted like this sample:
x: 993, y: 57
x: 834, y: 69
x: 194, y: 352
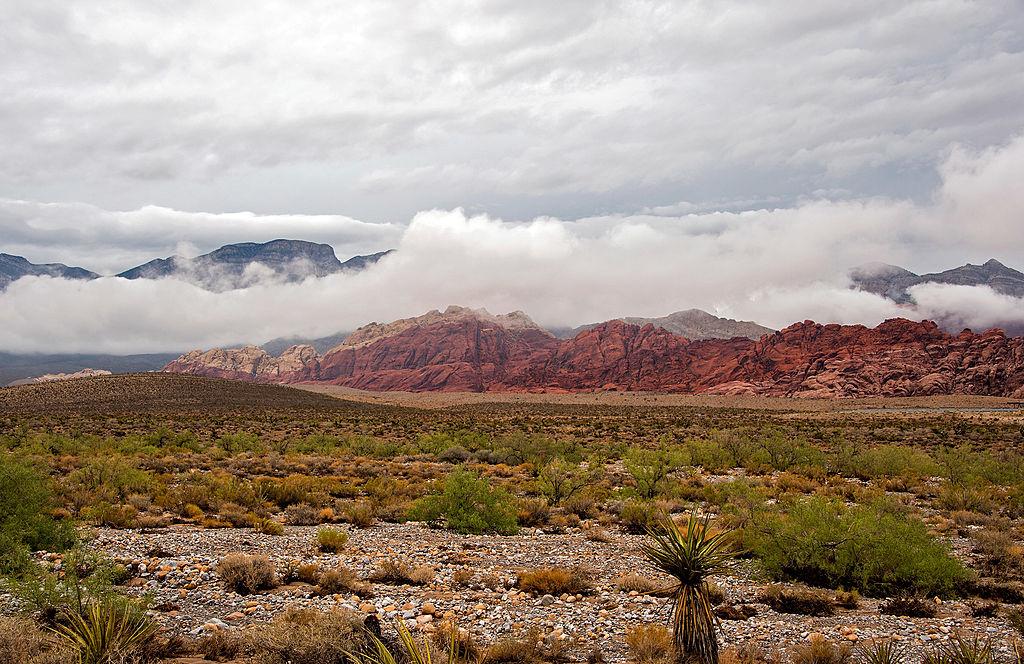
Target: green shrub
x: 468, y: 504
x: 26, y: 501
x: 267, y: 526
x: 559, y: 479
x: 877, y: 549
x: 637, y: 516
x: 331, y: 540
x: 891, y: 461
x: 650, y: 469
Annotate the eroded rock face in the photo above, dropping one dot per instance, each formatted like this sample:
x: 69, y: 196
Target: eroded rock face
x: 466, y: 350
x: 251, y: 363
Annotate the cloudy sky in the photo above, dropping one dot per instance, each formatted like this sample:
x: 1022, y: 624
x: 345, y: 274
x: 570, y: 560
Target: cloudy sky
x: 578, y: 159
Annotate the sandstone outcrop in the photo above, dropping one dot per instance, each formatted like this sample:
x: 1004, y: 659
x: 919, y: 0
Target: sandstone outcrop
x: 466, y: 350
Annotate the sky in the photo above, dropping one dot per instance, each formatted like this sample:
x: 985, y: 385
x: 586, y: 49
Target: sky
x: 578, y: 160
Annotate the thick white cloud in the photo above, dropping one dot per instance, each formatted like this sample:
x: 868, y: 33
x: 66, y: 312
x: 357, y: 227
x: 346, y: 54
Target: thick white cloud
x: 775, y: 266
x: 385, y: 107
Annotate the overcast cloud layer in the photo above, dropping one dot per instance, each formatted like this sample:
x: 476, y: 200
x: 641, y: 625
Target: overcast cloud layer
x: 381, y: 109
x: 774, y: 266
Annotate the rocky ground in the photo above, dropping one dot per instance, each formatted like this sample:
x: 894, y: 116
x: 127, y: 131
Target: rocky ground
x: 177, y: 566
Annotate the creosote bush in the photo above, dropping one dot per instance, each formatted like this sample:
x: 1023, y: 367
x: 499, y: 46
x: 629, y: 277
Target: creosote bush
x: 877, y: 549
x: 26, y: 524
x: 469, y: 504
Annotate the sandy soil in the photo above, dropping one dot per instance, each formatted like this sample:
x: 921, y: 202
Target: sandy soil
x: 448, y: 399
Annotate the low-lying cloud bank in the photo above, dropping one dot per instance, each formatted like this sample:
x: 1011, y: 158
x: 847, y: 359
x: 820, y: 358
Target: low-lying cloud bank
x: 773, y: 266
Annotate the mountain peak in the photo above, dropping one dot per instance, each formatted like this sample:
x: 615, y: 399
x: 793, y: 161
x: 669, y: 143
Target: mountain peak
x: 14, y: 267
x: 895, y: 283
x: 242, y: 264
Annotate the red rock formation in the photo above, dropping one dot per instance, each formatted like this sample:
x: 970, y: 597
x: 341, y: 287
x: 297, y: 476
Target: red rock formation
x: 465, y: 350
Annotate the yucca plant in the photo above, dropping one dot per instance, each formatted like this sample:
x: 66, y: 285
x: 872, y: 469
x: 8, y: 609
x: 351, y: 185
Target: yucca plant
x: 105, y: 631
x: 691, y: 556
x: 961, y: 649
x: 414, y: 652
x: 883, y: 652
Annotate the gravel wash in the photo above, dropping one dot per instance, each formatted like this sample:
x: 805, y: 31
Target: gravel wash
x: 177, y: 567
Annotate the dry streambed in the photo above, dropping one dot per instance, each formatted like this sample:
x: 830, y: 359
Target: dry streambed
x: 178, y: 567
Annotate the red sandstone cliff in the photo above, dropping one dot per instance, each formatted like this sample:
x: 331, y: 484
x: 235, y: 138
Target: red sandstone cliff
x: 465, y: 350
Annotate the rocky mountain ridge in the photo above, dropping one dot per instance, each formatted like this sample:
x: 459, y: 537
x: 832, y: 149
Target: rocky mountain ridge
x: 244, y: 264
x: 894, y: 282
x: 694, y: 324
x: 13, y: 268
x: 467, y: 350
x: 229, y: 267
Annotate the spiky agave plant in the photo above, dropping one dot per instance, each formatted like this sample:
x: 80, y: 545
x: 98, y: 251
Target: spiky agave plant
x: 692, y: 556
x: 105, y: 631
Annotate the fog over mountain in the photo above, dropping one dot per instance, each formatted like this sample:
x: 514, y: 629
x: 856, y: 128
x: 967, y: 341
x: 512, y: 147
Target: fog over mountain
x: 772, y: 266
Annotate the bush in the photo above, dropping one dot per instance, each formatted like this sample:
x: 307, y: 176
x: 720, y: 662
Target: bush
x: 331, y: 540
x: 554, y: 581
x: 302, y: 514
x: 961, y: 649
x: 342, y: 580
x: 559, y: 479
x: 398, y: 572
x: 801, y: 601
x: 883, y: 652
x: 359, y: 514
x: 877, y: 549
x: 22, y: 642
x: 267, y: 526
x: 533, y: 511
x: 247, y: 574
x: 308, y: 637
x: 637, y: 517
x: 909, y: 606
x: 650, y: 469
x: 26, y: 503
x: 649, y: 644
x: 639, y: 584
x: 821, y: 651
x: 468, y: 504
x: 85, y: 578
